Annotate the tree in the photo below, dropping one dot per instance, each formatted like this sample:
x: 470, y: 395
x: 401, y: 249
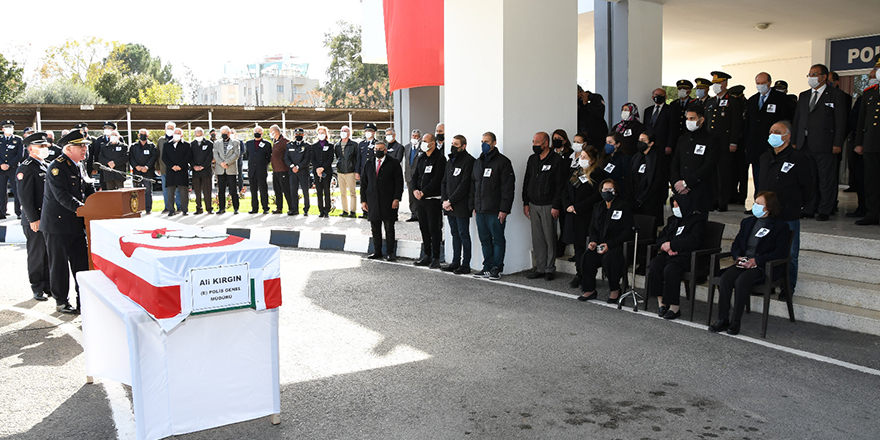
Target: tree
x: 161, y: 94
x: 191, y: 85
x: 119, y: 88
x: 80, y: 62
x: 138, y: 61
x: 11, y: 82
x: 349, y: 80
x: 61, y: 92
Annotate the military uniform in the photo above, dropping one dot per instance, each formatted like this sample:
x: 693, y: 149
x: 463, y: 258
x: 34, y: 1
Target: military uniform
x: 30, y: 179
x: 298, y: 154
x: 11, y: 148
x: 868, y: 136
x: 724, y: 116
x: 65, y: 233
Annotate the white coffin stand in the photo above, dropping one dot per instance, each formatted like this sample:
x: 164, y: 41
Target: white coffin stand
x: 210, y: 370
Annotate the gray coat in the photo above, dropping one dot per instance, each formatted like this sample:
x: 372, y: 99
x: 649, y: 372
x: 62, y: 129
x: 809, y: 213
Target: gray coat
x: 229, y: 154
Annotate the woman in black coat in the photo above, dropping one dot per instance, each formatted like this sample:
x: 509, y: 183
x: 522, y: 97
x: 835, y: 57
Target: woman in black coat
x: 648, y: 189
x: 611, y: 226
x: 683, y: 234
x: 629, y: 127
x: 761, y: 238
x: 581, y: 194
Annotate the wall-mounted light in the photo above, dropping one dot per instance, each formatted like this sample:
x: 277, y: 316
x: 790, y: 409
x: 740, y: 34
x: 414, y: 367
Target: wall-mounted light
x: 762, y: 26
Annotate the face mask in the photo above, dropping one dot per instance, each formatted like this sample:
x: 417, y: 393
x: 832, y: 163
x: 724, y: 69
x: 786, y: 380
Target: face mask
x: 701, y: 93
x: 322, y: 136
x: 199, y: 138
x: 415, y: 141
x: 425, y: 147
x: 440, y: 137
x: 380, y: 153
x: 389, y: 138
x: 813, y: 81
x: 642, y: 146
x: 343, y: 134
x: 682, y: 93
x: 782, y: 90
x: 298, y: 138
x: 609, y: 149
x: 607, y: 196
x: 577, y: 147
x: 107, y: 131
x: 557, y: 143
x: 584, y: 163
x: 213, y: 136
x: 716, y: 89
x: 659, y: 99
x: 114, y: 139
x: 775, y: 140
x: 537, y: 149
x: 763, y: 88
x: 368, y: 134
x: 624, y: 115
x: 485, y: 147
x: 758, y: 210
x: 169, y: 132
x: 42, y: 153
x: 142, y: 137
x: 8, y: 131
x: 692, y: 125
x: 225, y: 136
x: 175, y: 137
x: 676, y: 211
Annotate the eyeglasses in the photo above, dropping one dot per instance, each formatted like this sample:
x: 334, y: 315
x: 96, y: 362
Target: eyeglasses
x: 813, y: 75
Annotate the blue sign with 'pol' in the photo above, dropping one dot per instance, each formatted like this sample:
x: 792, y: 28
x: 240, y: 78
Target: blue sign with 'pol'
x: 855, y: 53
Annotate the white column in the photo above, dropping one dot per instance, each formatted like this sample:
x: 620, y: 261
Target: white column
x: 514, y: 74
x: 39, y: 124
x: 284, y: 122
x: 128, y: 121
x: 210, y: 119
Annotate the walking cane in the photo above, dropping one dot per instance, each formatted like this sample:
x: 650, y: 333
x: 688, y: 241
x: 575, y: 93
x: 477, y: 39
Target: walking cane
x: 632, y: 290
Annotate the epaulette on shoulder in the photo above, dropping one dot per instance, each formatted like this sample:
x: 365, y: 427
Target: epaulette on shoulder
x: 27, y: 161
x: 61, y: 159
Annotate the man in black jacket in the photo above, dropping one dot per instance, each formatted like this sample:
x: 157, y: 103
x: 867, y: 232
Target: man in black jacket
x: 426, y: 180
x: 322, y: 165
x: 494, y: 182
x: 788, y: 173
x: 457, y: 194
x: 695, y: 160
x: 259, y: 153
x: 346, y: 165
x: 763, y: 109
x: 546, y: 173
x: 114, y: 154
x: 177, y: 155
x: 410, y: 158
x: 143, y: 156
x: 31, y: 180
x: 394, y: 149
x: 591, y: 117
x: 297, y: 157
x: 202, y: 171
x: 381, y: 190
x: 365, y: 150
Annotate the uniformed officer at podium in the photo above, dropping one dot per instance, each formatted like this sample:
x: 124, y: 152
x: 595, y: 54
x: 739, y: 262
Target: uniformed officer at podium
x: 65, y: 233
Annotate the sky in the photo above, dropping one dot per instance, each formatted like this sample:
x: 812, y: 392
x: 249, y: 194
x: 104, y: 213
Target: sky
x: 187, y: 32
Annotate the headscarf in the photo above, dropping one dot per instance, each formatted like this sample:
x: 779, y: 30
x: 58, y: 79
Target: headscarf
x: 685, y: 204
x: 633, y: 116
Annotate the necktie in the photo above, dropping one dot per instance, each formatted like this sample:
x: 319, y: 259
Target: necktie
x: 378, y: 165
x: 761, y: 101
x: 813, y: 101
x: 654, y: 116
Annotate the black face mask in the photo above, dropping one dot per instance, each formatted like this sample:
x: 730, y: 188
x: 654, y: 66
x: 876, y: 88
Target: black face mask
x: 142, y: 137
x: 213, y: 137
x: 557, y: 143
x: 659, y: 99
x: 607, y: 196
x: 439, y: 137
x: 642, y: 146
x: 380, y: 153
x: 298, y: 138
x: 537, y: 149
x: 225, y: 136
x: 258, y: 135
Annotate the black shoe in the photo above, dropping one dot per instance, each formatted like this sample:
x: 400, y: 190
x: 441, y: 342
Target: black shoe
x: 462, y: 270
x: 662, y: 311
x: 412, y: 219
x: 198, y: 211
x: 495, y: 274
x: 822, y: 217
x: 670, y: 315
x: 391, y: 257
x: 868, y: 221
x: 575, y: 282
x: 375, y: 256
x: 535, y: 275
x: 222, y: 211
x: 265, y: 211
x: 594, y: 295
x: 482, y: 274
x: 40, y: 296
x: 235, y: 212
x: 857, y: 214
x: 423, y: 262
x: 807, y: 215
x: 185, y: 213
x: 572, y: 259
x: 722, y: 208
x: 67, y: 308
x: 719, y: 326
x: 253, y: 211
x: 734, y: 328
x: 850, y: 189
x: 450, y: 267
x: 164, y: 211
x: 435, y: 264
x: 549, y: 276
x: 640, y: 269
x: 292, y: 213
x: 611, y: 300
x: 277, y: 211
x: 747, y: 212
x: 171, y: 213
x: 306, y: 213
x: 363, y: 215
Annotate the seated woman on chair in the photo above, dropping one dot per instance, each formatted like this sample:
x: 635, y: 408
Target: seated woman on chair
x: 682, y: 234
x: 761, y: 238
x: 578, y: 199
x: 610, y: 227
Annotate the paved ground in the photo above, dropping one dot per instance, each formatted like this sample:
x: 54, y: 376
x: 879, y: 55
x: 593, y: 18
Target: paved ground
x: 375, y: 350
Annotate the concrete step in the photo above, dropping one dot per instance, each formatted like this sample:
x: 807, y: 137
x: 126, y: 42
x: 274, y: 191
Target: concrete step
x: 840, y: 267
x: 836, y: 291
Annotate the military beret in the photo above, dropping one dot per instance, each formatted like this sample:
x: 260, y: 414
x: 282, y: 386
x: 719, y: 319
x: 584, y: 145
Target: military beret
x: 702, y: 83
x: 718, y: 76
x: 780, y: 83
x: 74, y: 137
x: 370, y: 126
x: 8, y: 122
x: 39, y: 138
x: 110, y: 124
x: 81, y: 125
x: 298, y: 131
x: 684, y: 83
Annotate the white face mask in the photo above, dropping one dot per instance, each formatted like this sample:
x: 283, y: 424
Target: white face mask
x: 701, y: 93
x: 199, y: 138
x: 763, y: 88
x: 584, y: 163
x: 322, y: 136
x: 425, y: 146
x: 813, y: 81
x: 175, y: 137
x: 169, y: 132
x: 716, y: 89
x: 42, y: 153
x: 692, y: 125
x: 415, y: 141
x: 8, y: 131
x: 389, y: 138
x: 682, y: 93
x: 343, y: 134
x: 107, y: 131
x: 577, y: 147
x: 624, y: 115
x: 676, y: 211
x: 114, y: 139
x: 368, y: 134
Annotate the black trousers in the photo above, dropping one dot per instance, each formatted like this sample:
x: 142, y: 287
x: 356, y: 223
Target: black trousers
x: 664, y: 277
x: 37, y: 261
x: 67, y: 253
x: 281, y: 186
x: 872, y: 184
x: 824, y: 197
x: 430, y: 224
x: 724, y: 177
x: 391, y: 243
x: 224, y: 181
x: 299, y: 181
x: 612, y: 265
x: 742, y: 281
x: 202, y: 188
x: 148, y: 189
x: 322, y: 187
x: 259, y: 188
x: 113, y: 184
x: 7, y: 179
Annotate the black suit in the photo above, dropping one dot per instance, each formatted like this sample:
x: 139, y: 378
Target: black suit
x: 177, y: 182
x: 259, y: 153
x: 666, y: 128
x: 816, y: 132
x: 379, y: 191
x: 410, y: 159
x: 203, y: 156
x: 758, y: 120
x: 31, y: 177
x: 144, y: 155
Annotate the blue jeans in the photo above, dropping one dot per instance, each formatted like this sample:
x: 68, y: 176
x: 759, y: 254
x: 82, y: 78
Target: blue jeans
x: 795, y: 226
x: 491, y: 232
x: 168, y: 204
x: 460, y: 229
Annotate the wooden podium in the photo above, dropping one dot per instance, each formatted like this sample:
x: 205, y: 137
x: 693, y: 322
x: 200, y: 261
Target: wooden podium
x: 102, y: 205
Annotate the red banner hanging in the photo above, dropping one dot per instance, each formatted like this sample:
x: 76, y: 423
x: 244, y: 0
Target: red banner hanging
x: 414, y: 40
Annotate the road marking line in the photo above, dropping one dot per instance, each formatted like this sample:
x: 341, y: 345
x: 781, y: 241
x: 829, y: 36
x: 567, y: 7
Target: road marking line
x: 120, y: 407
